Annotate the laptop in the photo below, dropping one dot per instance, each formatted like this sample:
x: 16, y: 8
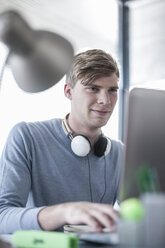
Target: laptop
x: 86, y: 233
x: 144, y: 169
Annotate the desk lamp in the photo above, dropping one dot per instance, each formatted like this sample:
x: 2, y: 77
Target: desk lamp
x: 38, y: 59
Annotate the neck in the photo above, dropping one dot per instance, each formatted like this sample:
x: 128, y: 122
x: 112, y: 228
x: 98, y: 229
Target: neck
x: 78, y: 128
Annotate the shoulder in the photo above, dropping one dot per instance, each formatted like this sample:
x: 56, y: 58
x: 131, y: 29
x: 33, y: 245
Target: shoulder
x: 117, y: 148
x: 26, y: 129
x: 23, y: 126
x: 18, y: 129
x: 117, y: 145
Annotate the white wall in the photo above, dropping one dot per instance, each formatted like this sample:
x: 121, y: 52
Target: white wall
x: 87, y: 24
x: 16, y: 106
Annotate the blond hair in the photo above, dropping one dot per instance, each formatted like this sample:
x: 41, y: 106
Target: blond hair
x: 91, y: 65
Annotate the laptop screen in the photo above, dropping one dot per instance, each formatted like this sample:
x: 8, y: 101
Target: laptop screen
x: 144, y: 169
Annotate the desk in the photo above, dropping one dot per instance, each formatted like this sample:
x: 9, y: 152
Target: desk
x: 82, y: 244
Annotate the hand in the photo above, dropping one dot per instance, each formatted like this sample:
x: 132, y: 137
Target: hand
x: 96, y: 215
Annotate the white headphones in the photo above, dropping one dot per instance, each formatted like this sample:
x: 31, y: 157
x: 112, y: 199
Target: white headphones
x: 81, y: 145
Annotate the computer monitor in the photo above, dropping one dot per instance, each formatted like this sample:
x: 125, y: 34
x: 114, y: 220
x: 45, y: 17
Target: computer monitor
x: 144, y: 169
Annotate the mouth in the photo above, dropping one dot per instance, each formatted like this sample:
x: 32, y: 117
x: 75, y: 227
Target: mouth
x: 101, y: 112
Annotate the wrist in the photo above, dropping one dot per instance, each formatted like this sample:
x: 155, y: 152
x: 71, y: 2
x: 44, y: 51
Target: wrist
x: 52, y: 217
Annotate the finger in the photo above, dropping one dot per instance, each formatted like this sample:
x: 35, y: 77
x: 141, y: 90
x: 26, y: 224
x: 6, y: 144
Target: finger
x: 95, y: 217
x: 87, y: 218
x: 103, y: 219
x: 107, y: 210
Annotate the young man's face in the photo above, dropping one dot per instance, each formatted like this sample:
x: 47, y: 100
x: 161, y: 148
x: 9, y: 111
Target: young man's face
x: 92, y: 105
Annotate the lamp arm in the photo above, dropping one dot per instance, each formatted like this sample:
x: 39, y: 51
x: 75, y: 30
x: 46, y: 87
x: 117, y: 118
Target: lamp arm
x: 2, y: 69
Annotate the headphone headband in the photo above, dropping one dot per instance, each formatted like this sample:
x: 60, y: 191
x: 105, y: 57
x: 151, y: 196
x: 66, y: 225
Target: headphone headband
x: 81, y: 145
x: 66, y: 128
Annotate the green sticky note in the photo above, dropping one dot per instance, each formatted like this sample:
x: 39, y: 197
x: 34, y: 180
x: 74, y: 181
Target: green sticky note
x: 44, y: 239
x: 132, y: 209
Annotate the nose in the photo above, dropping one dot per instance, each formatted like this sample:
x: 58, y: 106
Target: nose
x: 104, y: 98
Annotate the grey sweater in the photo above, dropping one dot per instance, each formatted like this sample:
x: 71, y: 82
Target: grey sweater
x: 38, y: 169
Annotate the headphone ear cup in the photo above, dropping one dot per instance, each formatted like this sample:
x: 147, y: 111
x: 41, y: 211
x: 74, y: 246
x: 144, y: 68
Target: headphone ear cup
x: 80, y: 145
x: 102, y: 146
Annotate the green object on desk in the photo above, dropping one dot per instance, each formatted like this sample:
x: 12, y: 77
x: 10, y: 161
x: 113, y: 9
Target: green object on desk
x: 147, y: 179
x: 44, y: 239
x: 132, y: 209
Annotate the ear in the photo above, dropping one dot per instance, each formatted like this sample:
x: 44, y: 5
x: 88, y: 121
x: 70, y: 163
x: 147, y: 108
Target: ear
x: 68, y: 91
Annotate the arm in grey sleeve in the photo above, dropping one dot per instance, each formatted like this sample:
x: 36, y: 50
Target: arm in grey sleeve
x: 15, y: 183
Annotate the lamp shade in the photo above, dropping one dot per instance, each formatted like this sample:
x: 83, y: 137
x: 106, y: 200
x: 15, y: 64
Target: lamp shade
x: 38, y: 59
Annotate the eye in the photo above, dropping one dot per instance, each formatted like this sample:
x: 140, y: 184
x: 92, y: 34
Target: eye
x: 93, y: 88
x: 113, y: 90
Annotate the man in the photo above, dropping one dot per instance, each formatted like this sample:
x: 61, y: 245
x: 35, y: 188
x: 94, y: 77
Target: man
x: 59, y: 172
